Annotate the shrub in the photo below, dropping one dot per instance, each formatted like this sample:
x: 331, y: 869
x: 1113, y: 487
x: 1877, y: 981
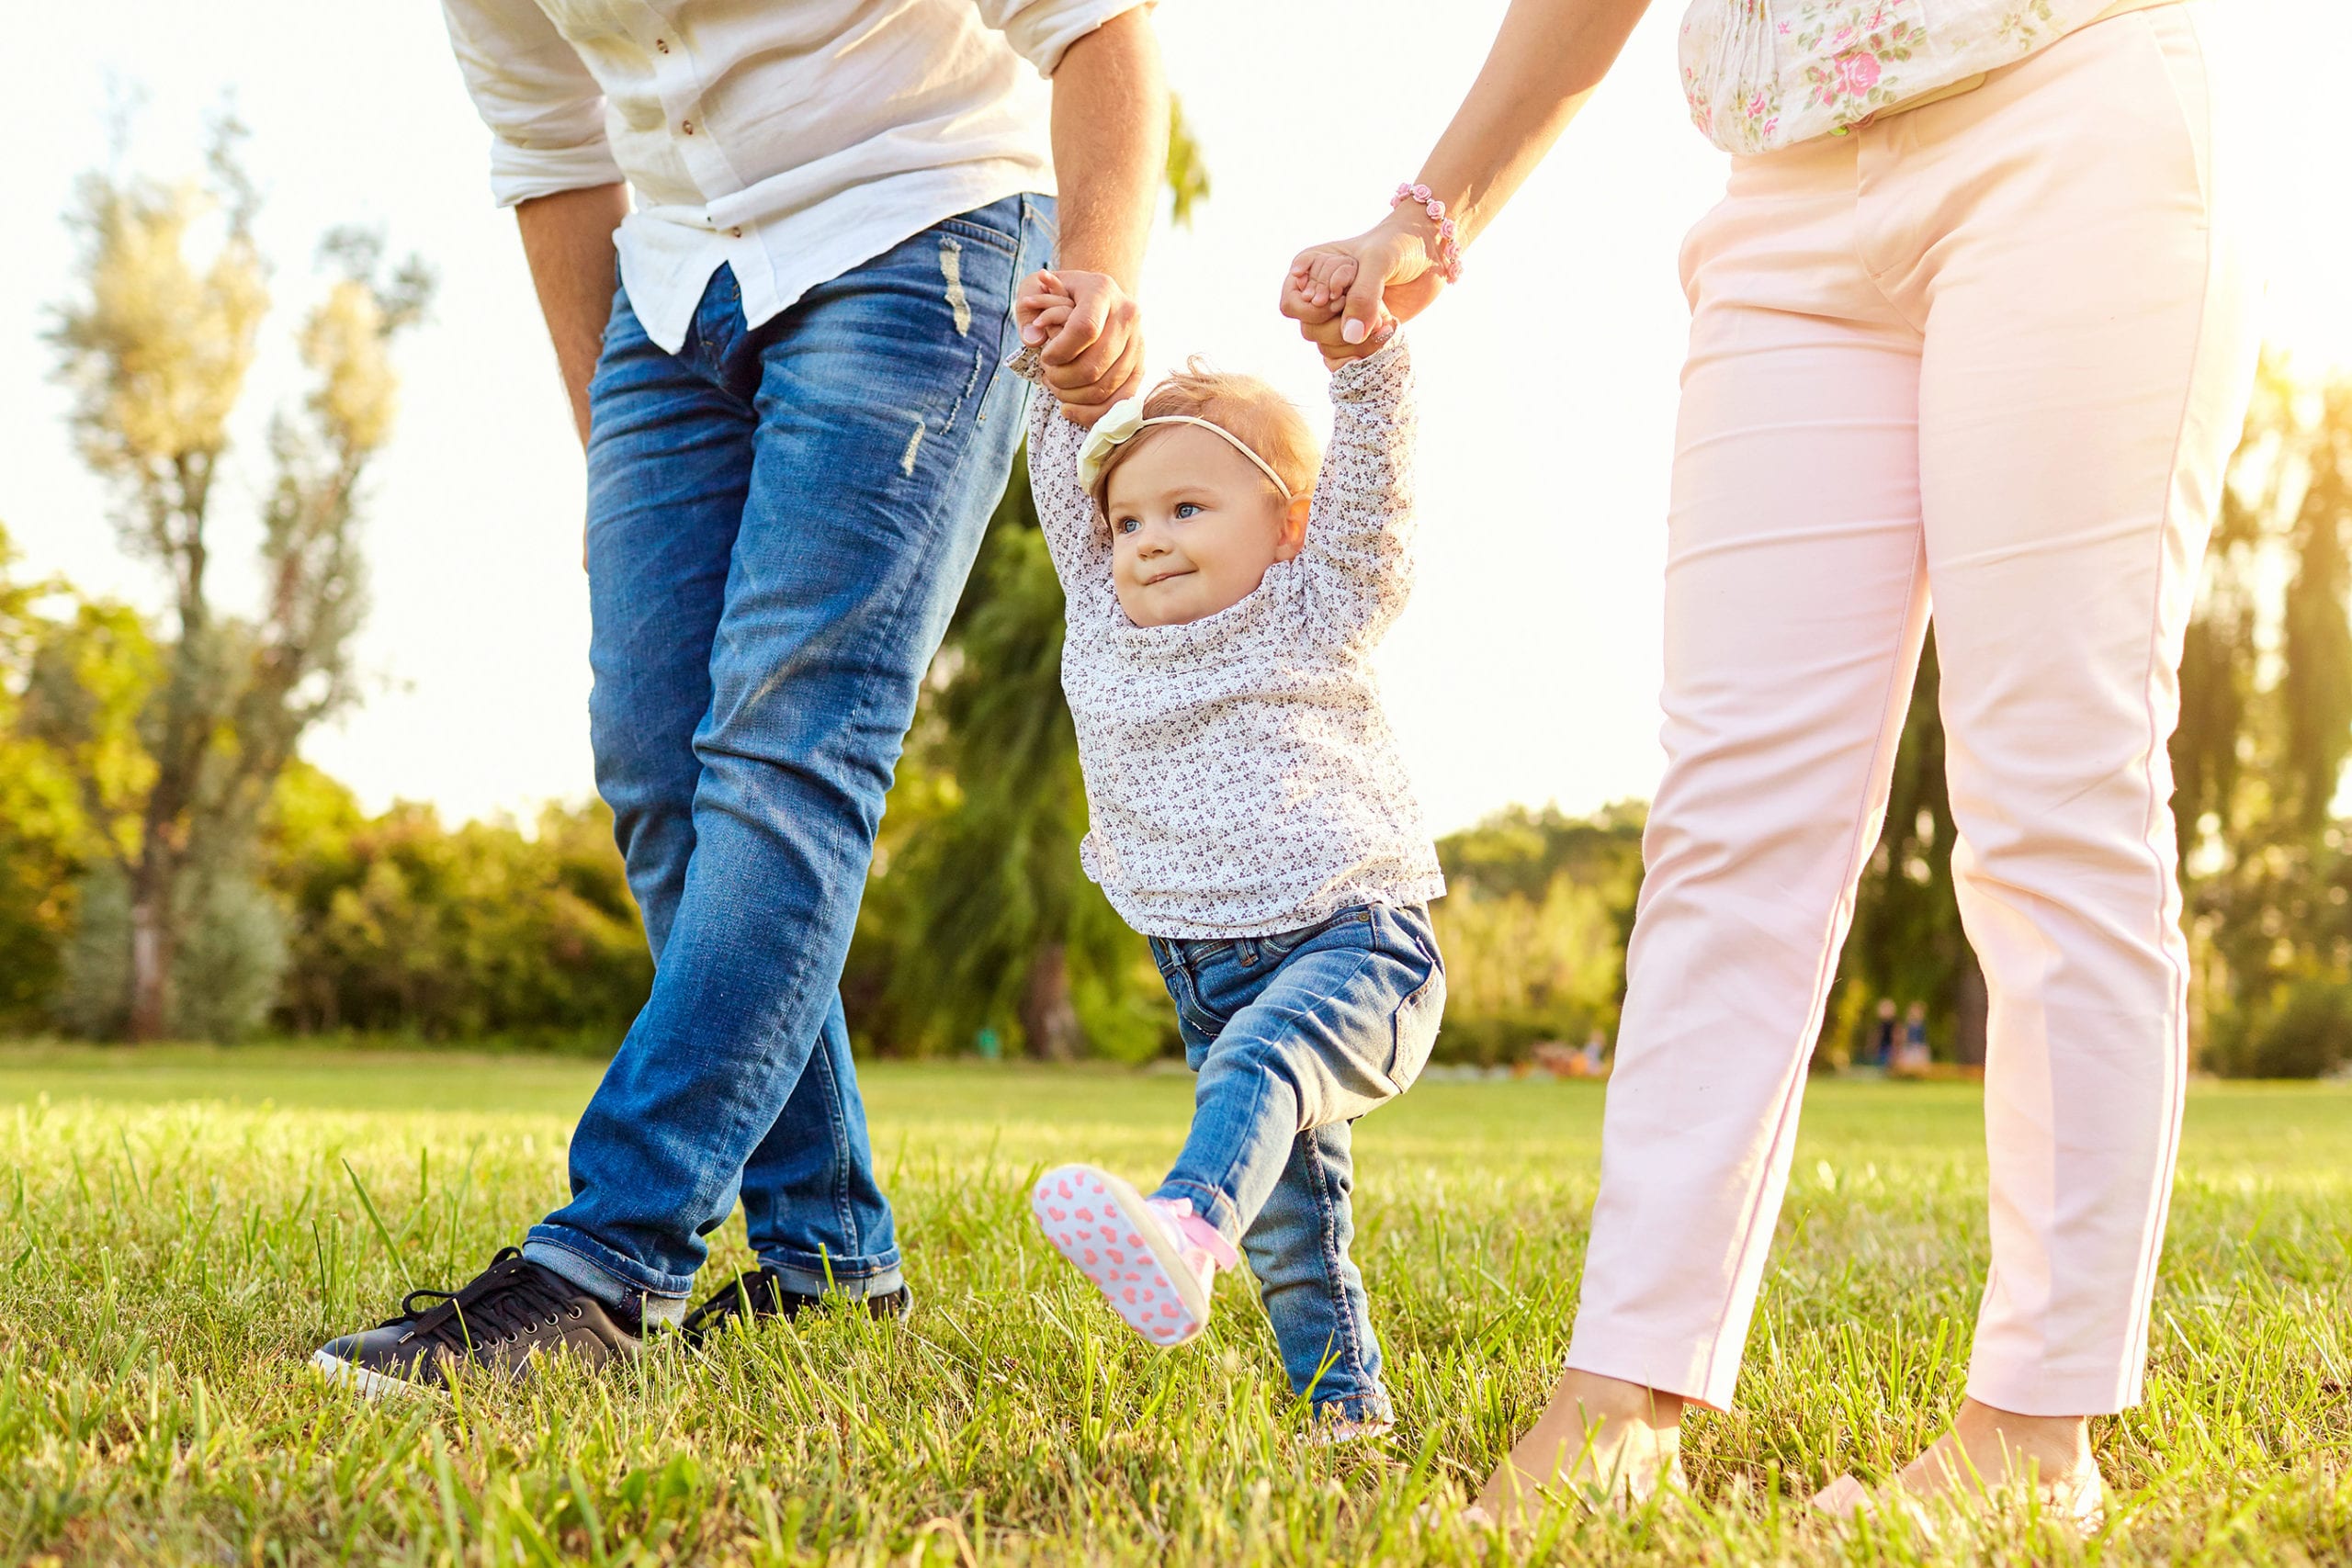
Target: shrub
x: 2309, y: 1036
x: 225, y: 970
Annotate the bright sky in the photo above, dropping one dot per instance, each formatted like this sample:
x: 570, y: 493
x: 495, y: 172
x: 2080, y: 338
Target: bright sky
x: 1527, y: 668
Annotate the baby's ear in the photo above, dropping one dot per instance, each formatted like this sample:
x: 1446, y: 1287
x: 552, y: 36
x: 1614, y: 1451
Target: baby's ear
x: 1294, y: 537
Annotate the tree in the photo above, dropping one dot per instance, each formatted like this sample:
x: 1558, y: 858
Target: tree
x: 2266, y: 676
x: 1187, y: 173
x: 484, y: 930
x: 2266, y: 725
x: 155, y: 348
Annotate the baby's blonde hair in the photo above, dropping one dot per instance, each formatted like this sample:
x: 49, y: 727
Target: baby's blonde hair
x: 1244, y: 405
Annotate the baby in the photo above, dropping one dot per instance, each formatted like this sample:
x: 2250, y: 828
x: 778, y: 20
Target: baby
x: 1250, y: 815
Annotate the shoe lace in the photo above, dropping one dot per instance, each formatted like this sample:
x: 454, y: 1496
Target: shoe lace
x: 504, y: 1301
x: 743, y: 1298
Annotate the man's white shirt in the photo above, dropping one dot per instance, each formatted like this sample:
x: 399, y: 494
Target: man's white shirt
x: 789, y: 139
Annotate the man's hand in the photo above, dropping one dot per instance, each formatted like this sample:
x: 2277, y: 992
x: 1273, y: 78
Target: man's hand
x: 1089, y: 334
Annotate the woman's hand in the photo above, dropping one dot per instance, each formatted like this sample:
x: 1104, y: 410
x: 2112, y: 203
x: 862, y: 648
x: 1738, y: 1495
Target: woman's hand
x: 1349, y: 296
x: 1544, y: 63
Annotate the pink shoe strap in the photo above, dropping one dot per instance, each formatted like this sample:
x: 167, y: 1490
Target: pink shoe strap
x: 1196, y: 1233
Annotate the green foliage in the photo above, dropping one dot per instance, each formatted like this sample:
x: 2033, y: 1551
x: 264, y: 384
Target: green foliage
x: 2266, y: 725
x: 1533, y: 927
x: 39, y: 866
x: 395, y: 924
x: 400, y: 924
x: 2308, y: 1034
x: 186, y: 1225
x: 43, y: 830
x: 225, y: 968
x: 1519, y: 852
x: 1187, y: 170
x: 1907, y: 943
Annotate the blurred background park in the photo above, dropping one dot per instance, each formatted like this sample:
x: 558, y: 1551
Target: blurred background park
x: 292, y: 630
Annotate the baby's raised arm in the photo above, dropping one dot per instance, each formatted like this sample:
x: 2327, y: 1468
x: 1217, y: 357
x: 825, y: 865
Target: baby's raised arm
x: 1082, y: 552
x: 1359, y: 533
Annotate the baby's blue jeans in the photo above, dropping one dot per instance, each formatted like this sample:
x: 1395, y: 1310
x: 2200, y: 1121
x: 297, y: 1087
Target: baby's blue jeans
x: 1294, y: 1037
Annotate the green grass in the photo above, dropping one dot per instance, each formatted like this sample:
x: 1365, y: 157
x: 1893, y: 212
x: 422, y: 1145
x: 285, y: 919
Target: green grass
x: 181, y: 1227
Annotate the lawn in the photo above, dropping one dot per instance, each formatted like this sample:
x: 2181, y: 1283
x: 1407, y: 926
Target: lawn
x: 183, y: 1226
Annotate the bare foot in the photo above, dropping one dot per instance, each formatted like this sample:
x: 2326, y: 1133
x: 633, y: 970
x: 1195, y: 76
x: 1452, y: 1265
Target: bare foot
x: 1600, y: 1438
x: 1989, y: 1452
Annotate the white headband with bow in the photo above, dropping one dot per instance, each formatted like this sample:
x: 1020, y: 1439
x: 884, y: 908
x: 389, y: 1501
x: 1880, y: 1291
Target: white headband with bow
x: 1126, y: 420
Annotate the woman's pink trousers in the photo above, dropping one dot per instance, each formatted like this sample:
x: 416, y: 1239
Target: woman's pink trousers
x: 1992, y: 356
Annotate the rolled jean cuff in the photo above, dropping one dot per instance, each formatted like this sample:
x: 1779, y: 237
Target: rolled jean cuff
x: 606, y: 1274
x: 815, y: 1274
x: 1209, y: 1203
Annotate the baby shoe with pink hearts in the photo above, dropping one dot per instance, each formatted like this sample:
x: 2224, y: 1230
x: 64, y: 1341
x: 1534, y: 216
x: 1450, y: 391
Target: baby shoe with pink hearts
x: 1154, y: 1259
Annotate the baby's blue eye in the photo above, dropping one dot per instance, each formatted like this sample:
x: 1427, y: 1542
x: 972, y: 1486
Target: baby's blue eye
x: 1127, y: 524
x: 1185, y: 509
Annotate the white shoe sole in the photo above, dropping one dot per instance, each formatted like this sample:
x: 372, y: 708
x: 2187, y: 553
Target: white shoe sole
x: 1335, y: 1434
x: 1100, y: 1223
x: 364, y: 1381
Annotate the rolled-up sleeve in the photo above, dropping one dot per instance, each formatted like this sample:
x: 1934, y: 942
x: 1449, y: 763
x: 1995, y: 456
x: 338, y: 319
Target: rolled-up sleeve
x: 545, y: 111
x: 1043, y: 30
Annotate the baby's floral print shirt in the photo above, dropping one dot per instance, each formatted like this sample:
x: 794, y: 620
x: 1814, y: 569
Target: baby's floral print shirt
x: 1762, y: 74
x: 1241, y: 778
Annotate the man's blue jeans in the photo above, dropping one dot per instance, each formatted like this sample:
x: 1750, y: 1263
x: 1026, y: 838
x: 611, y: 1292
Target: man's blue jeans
x: 1294, y: 1037
x: 780, y: 520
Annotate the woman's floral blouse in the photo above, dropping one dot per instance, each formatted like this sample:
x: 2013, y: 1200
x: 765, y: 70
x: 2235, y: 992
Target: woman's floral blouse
x: 1768, y: 73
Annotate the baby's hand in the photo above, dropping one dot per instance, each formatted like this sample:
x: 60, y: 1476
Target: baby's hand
x: 1041, y: 307
x: 1319, y: 282
x: 1315, y: 292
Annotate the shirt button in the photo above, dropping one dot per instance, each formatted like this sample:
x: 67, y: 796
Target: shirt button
x: 735, y: 233
x: 687, y: 126
x: 662, y: 44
